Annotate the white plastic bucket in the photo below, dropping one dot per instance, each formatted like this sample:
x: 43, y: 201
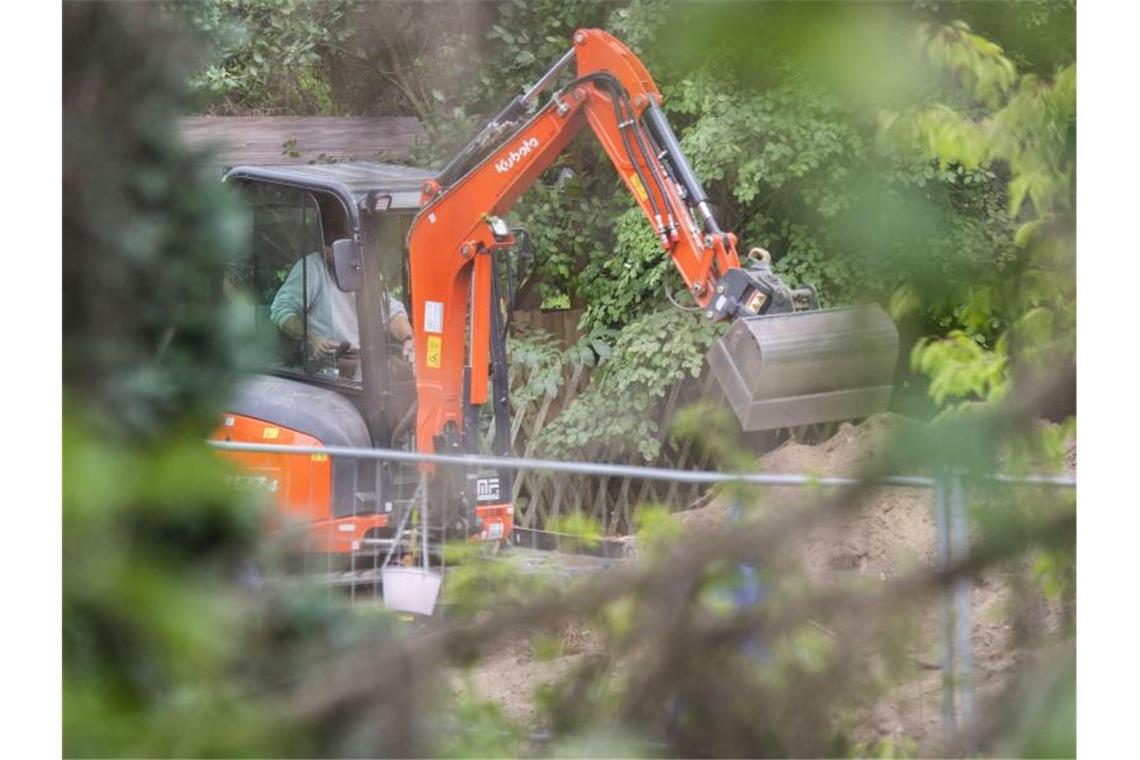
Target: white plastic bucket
x: 410, y: 589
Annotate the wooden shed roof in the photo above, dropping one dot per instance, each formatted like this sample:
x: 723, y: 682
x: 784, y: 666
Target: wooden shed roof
x: 285, y: 140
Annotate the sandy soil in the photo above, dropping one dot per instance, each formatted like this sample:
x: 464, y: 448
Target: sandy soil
x: 512, y: 674
x: 888, y: 532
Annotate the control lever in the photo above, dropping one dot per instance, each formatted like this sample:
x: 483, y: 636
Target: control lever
x: 328, y: 364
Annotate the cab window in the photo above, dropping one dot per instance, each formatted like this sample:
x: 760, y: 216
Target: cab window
x: 302, y: 322
x: 391, y: 241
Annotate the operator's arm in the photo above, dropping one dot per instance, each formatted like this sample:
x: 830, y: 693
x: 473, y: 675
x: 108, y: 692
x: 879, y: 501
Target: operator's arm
x: 294, y: 327
x: 399, y: 326
x: 288, y: 307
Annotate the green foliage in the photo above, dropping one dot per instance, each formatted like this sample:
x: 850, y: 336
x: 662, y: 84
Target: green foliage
x: 526, y: 37
x: 805, y: 651
x: 1055, y: 573
x: 152, y: 630
x: 1028, y: 126
x: 538, y: 357
x: 585, y: 532
x: 165, y: 649
x: 270, y: 55
x: 649, y: 356
x: 154, y: 537
x: 656, y: 529
x: 335, y: 56
x: 477, y: 582
x: 971, y: 61
x: 712, y: 426
x: 1046, y: 722
x: 146, y: 230
x: 886, y: 749
x: 600, y: 743
x: 472, y: 727
x: 571, y: 227
x: 627, y: 280
x: 791, y: 137
x: 1038, y: 37
x: 961, y: 209
x: 1043, y: 449
x: 960, y: 367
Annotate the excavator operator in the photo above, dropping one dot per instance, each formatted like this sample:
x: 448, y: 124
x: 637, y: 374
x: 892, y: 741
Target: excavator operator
x: 310, y: 306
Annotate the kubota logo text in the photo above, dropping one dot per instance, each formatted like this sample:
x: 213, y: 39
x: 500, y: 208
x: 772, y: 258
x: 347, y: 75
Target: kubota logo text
x: 512, y: 158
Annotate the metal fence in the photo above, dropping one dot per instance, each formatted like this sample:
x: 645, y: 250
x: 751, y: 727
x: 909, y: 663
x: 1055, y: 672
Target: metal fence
x: 950, y: 520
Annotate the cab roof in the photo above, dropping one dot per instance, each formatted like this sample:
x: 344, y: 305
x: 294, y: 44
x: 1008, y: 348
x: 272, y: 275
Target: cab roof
x: 353, y: 180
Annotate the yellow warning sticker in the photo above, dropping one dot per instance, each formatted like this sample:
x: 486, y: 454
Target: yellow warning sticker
x: 270, y: 432
x: 638, y: 188
x: 319, y: 458
x: 434, y: 350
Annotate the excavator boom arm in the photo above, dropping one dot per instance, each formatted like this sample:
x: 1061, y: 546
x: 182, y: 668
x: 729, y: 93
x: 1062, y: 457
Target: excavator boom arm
x: 453, y: 239
x: 783, y: 362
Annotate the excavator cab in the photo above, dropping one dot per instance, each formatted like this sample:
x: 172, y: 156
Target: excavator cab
x: 325, y: 260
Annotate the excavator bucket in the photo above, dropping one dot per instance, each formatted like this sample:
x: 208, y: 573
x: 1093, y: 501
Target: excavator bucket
x: 804, y: 367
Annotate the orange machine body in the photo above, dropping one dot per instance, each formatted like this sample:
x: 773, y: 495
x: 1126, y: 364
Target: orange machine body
x: 300, y: 486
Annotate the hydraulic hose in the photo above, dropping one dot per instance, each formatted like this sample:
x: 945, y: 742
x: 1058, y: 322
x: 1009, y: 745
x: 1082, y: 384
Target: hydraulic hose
x: 625, y: 121
x: 623, y: 124
x: 662, y: 134
x: 647, y: 156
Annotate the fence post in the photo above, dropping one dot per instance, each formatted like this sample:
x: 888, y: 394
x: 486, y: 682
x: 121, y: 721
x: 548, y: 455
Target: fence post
x: 751, y: 592
x: 963, y: 645
x: 942, y: 531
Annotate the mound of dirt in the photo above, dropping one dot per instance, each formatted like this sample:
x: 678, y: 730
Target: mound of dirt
x: 511, y: 674
x: 887, y: 532
x: 882, y: 531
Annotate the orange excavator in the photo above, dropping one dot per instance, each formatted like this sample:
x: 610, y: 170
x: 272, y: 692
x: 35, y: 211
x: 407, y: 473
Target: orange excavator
x: 783, y: 362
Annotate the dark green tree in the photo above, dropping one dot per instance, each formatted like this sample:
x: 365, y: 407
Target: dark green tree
x: 153, y: 534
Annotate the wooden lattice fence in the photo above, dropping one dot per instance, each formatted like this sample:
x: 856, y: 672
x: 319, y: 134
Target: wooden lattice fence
x: 610, y: 502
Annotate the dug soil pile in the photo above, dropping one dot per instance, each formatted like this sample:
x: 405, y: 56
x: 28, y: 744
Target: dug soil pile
x: 886, y: 533
x: 889, y: 529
